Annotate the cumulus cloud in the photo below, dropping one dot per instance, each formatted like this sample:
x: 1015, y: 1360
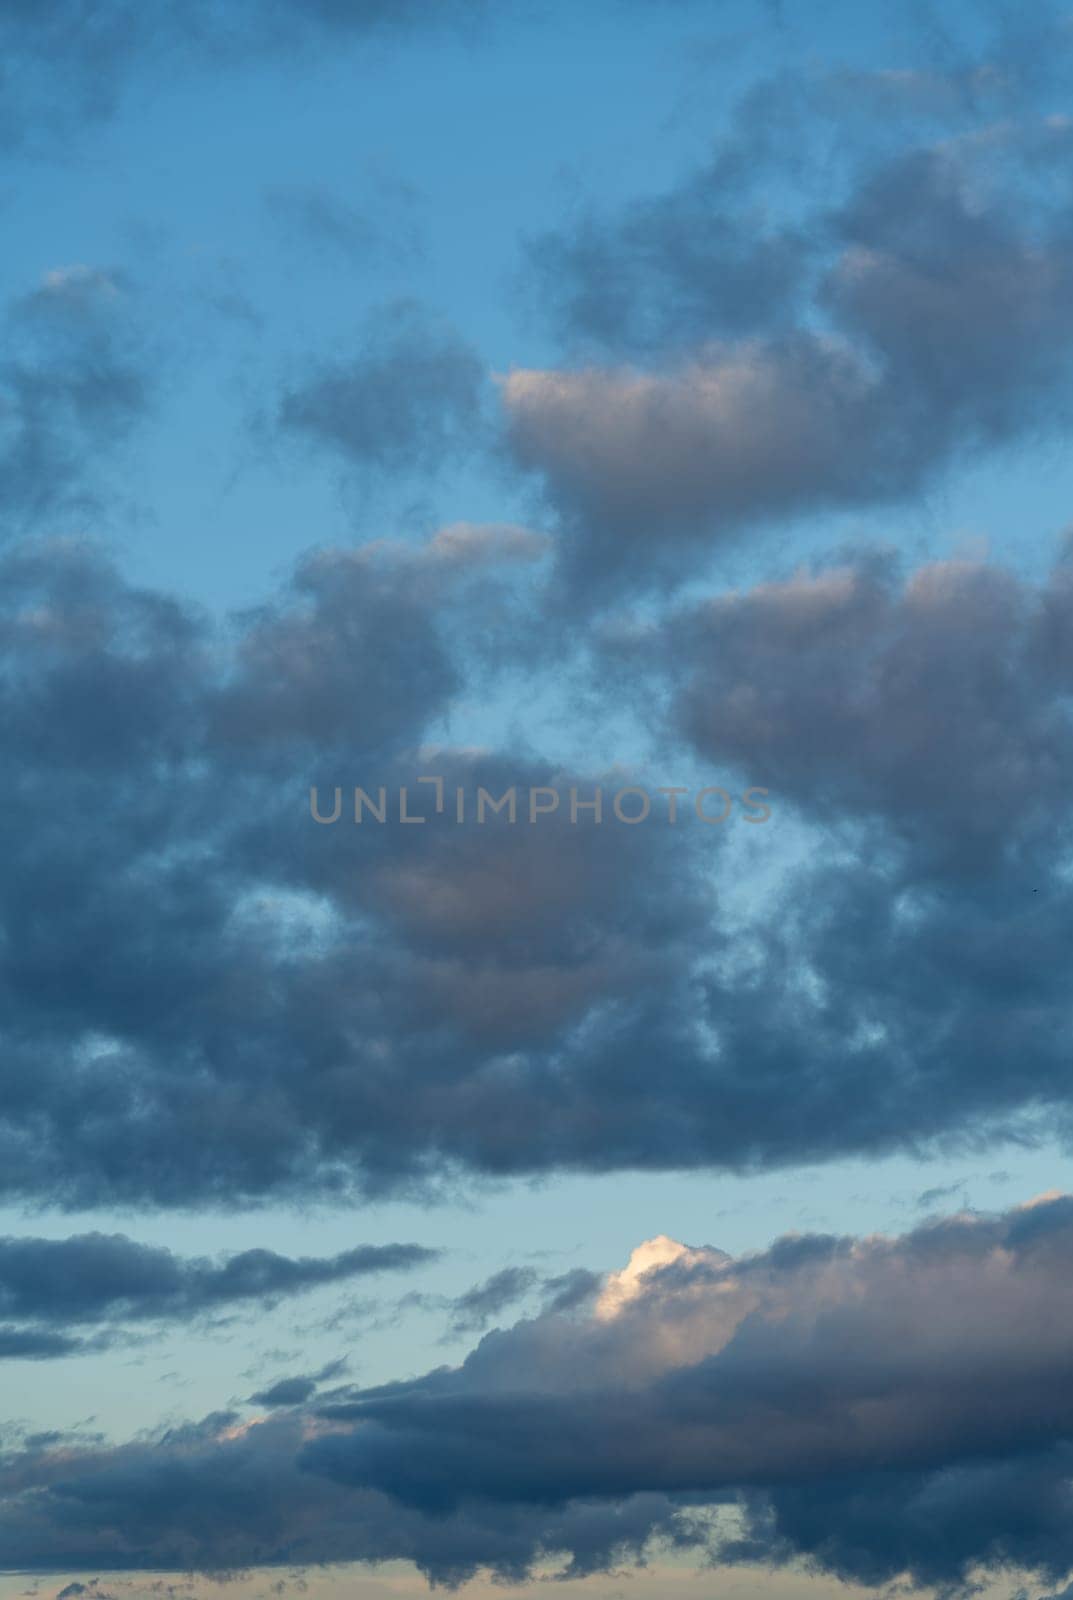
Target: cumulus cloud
x: 889, y: 1407
x: 475, y: 942
x: 838, y: 1382
x: 209, y: 998
x: 744, y: 374
x: 351, y: 659
x: 184, y: 1020
x: 463, y: 542
x: 224, y: 1495
x: 937, y: 699
x: 736, y: 434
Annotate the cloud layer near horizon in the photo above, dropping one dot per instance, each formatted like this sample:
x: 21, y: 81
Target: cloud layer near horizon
x: 884, y: 1406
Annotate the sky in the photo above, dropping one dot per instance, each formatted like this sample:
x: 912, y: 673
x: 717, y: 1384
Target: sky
x: 536, y: 619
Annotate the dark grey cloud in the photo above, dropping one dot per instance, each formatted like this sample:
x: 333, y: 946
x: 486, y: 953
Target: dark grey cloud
x: 567, y: 1290
x: 928, y: 1199
x: 409, y: 399
x: 209, y: 998
x: 725, y: 372
x: 94, y: 1277
x: 351, y: 659
x: 236, y: 1006
x: 106, y: 1282
x: 298, y: 1388
x: 285, y: 1392
x: 937, y: 699
x: 890, y: 1408
x: 485, y: 1302
x: 212, y: 1497
x: 858, y: 1354
x: 646, y: 281
x: 476, y: 1308
x: 845, y: 1382
x: 37, y: 1344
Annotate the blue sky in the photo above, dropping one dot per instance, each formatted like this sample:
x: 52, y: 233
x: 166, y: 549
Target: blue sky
x: 541, y: 397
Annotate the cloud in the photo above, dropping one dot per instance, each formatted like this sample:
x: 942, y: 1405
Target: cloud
x: 94, y: 1277
x: 875, y: 1396
x: 221, y: 1496
x: 649, y: 279
x: 75, y: 381
x: 285, y: 1392
x: 928, y: 1199
x: 936, y: 699
x: 887, y: 1407
x: 740, y: 244
x: 408, y: 400
x: 208, y: 998
x: 37, y: 1344
x: 351, y: 659
x: 708, y: 258
x: 463, y: 542
x: 476, y: 1308
x: 297, y: 1389
x: 736, y: 374
x: 734, y: 435
x: 844, y: 1345
x: 72, y: 64
x: 90, y: 1588
x: 237, y: 995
